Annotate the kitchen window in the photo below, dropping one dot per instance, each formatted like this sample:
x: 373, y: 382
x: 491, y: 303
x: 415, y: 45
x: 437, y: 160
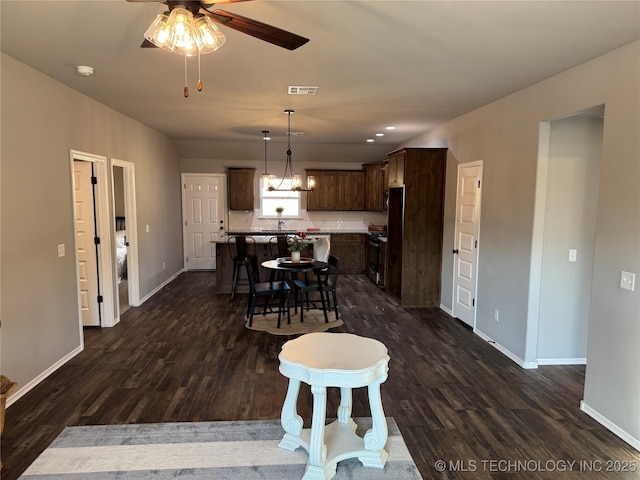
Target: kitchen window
x: 287, y: 199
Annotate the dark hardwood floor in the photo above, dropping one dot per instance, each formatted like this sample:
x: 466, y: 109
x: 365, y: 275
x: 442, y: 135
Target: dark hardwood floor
x: 185, y: 355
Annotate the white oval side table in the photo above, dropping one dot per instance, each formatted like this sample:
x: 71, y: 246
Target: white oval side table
x: 340, y: 360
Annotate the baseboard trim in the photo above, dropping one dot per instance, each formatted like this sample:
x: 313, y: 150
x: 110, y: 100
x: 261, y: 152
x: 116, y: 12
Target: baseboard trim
x: 442, y: 307
x: 561, y: 361
x: 160, y: 287
x: 505, y: 351
x: 609, y: 425
x: 22, y: 391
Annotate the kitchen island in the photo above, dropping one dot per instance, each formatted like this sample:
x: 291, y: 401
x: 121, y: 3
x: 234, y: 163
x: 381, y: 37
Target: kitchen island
x: 225, y: 250
x: 348, y: 245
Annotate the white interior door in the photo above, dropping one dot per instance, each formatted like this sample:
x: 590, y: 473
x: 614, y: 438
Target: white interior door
x: 466, y: 241
x: 85, y: 234
x: 204, y: 220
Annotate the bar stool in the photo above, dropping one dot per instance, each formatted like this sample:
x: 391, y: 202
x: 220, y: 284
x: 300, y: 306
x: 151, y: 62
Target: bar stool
x: 239, y: 251
x: 341, y: 360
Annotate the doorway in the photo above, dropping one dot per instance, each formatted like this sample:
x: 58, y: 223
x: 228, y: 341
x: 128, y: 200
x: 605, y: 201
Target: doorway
x: 467, y: 234
x: 203, y: 213
x: 126, y: 235
x: 564, y: 237
x: 98, y: 241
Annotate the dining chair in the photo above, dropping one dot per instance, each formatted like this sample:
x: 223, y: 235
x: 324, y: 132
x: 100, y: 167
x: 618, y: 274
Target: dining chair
x: 326, y: 282
x: 267, y: 290
x: 242, y: 251
x: 278, y: 246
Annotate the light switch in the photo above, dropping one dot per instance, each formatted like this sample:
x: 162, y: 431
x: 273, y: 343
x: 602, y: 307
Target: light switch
x: 627, y: 280
x: 573, y: 254
x: 147, y: 228
x: 61, y: 250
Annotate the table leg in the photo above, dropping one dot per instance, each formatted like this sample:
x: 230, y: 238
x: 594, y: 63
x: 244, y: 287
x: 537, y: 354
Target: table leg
x: 290, y: 420
x: 344, y: 409
x: 317, y: 448
x: 376, y: 437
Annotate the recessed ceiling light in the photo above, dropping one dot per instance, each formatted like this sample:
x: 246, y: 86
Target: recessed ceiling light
x: 379, y: 134
x: 391, y: 128
x: 84, y: 70
x: 370, y: 140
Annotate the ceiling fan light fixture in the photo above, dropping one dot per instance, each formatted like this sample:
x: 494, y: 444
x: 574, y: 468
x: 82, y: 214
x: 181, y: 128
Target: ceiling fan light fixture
x: 183, y: 34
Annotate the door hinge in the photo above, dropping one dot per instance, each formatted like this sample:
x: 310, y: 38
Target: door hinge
x: 478, y: 183
x: 94, y: 180
x: 96, y: 240
x: 186, y: 260
x: 185, y: 223
x: 476, y: 244
x: 100, y: 299
x: 473, y: 302
x: 184, y: 185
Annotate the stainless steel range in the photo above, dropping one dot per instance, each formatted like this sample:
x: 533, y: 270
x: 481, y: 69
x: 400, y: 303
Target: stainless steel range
x: 374, y: 255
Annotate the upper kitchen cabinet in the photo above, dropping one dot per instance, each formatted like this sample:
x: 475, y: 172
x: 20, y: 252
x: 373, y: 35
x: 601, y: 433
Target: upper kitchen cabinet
x: 337, y: 190
x: 374, y: 180
x: 324, y: 195
x: 396, y: 169
x: 241, y: 188
x: 350, y: 190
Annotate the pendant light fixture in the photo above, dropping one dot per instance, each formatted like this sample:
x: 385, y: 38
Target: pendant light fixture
x: 266, y: 179
x: 289, y: 176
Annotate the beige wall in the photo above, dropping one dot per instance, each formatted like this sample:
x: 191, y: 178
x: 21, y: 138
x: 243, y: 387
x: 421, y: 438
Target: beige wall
x: 504, y: 135
x: 41, y: 121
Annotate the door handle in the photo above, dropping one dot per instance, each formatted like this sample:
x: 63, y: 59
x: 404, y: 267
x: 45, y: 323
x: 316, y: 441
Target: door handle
x: 456, y: 252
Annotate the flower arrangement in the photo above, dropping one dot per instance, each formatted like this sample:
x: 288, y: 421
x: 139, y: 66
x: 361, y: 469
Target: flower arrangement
x: 298, y: 242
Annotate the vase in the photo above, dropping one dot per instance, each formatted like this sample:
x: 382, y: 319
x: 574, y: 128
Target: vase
x: 295, y: 257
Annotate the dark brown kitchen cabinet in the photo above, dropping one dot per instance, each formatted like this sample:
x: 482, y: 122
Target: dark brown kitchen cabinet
x: 350, y: 248
x: 336, y: 190
x: 396, y: 169
x: 415, y: 227
x: 324, y: 195
x: 374, y: 187
x: 241, y: 188
x: 350, y: 190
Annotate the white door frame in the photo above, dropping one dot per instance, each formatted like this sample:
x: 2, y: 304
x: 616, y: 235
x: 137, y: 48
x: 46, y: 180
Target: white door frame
x: 223, y: 203
x: 130, y: 212
x: 103, y: 224
x: 477, y: 163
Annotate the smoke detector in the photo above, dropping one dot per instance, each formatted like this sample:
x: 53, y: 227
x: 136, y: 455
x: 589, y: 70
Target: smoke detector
x: 298, y: 90
x: 84, y: 70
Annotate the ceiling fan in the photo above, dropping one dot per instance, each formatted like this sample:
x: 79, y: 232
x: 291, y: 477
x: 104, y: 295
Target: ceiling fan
x: 263, y: 31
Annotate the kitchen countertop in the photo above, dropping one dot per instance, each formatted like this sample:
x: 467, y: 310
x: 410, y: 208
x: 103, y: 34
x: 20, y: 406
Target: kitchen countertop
x: 324, y: 231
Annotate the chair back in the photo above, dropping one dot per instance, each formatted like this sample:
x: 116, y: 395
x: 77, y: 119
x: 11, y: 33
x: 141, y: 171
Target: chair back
x: 278, y: 246
x: 329, y: 276
x: 240, y: 246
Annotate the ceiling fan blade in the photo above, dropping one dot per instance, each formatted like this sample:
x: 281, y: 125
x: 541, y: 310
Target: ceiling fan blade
x: 257, y: 29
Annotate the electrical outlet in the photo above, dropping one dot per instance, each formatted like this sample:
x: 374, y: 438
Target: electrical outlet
x: 163, y: 265
x: 573, y: 254
x: 147, y: 228
x: 496, y: 315
x: 627, y: 280
x: 61, y: 250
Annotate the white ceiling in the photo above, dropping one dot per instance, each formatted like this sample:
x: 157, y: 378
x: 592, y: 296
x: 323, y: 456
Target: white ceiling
x: 411, y: 64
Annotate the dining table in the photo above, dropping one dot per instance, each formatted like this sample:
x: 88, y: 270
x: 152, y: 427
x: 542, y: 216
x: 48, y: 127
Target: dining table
x: 290, y: 268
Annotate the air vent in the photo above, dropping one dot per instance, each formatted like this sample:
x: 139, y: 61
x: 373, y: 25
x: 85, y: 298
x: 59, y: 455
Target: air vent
x: 296, y: 90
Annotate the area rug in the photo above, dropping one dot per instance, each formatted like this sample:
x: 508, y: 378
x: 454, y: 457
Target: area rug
x: 313, y: 322
x: 199, y: 450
